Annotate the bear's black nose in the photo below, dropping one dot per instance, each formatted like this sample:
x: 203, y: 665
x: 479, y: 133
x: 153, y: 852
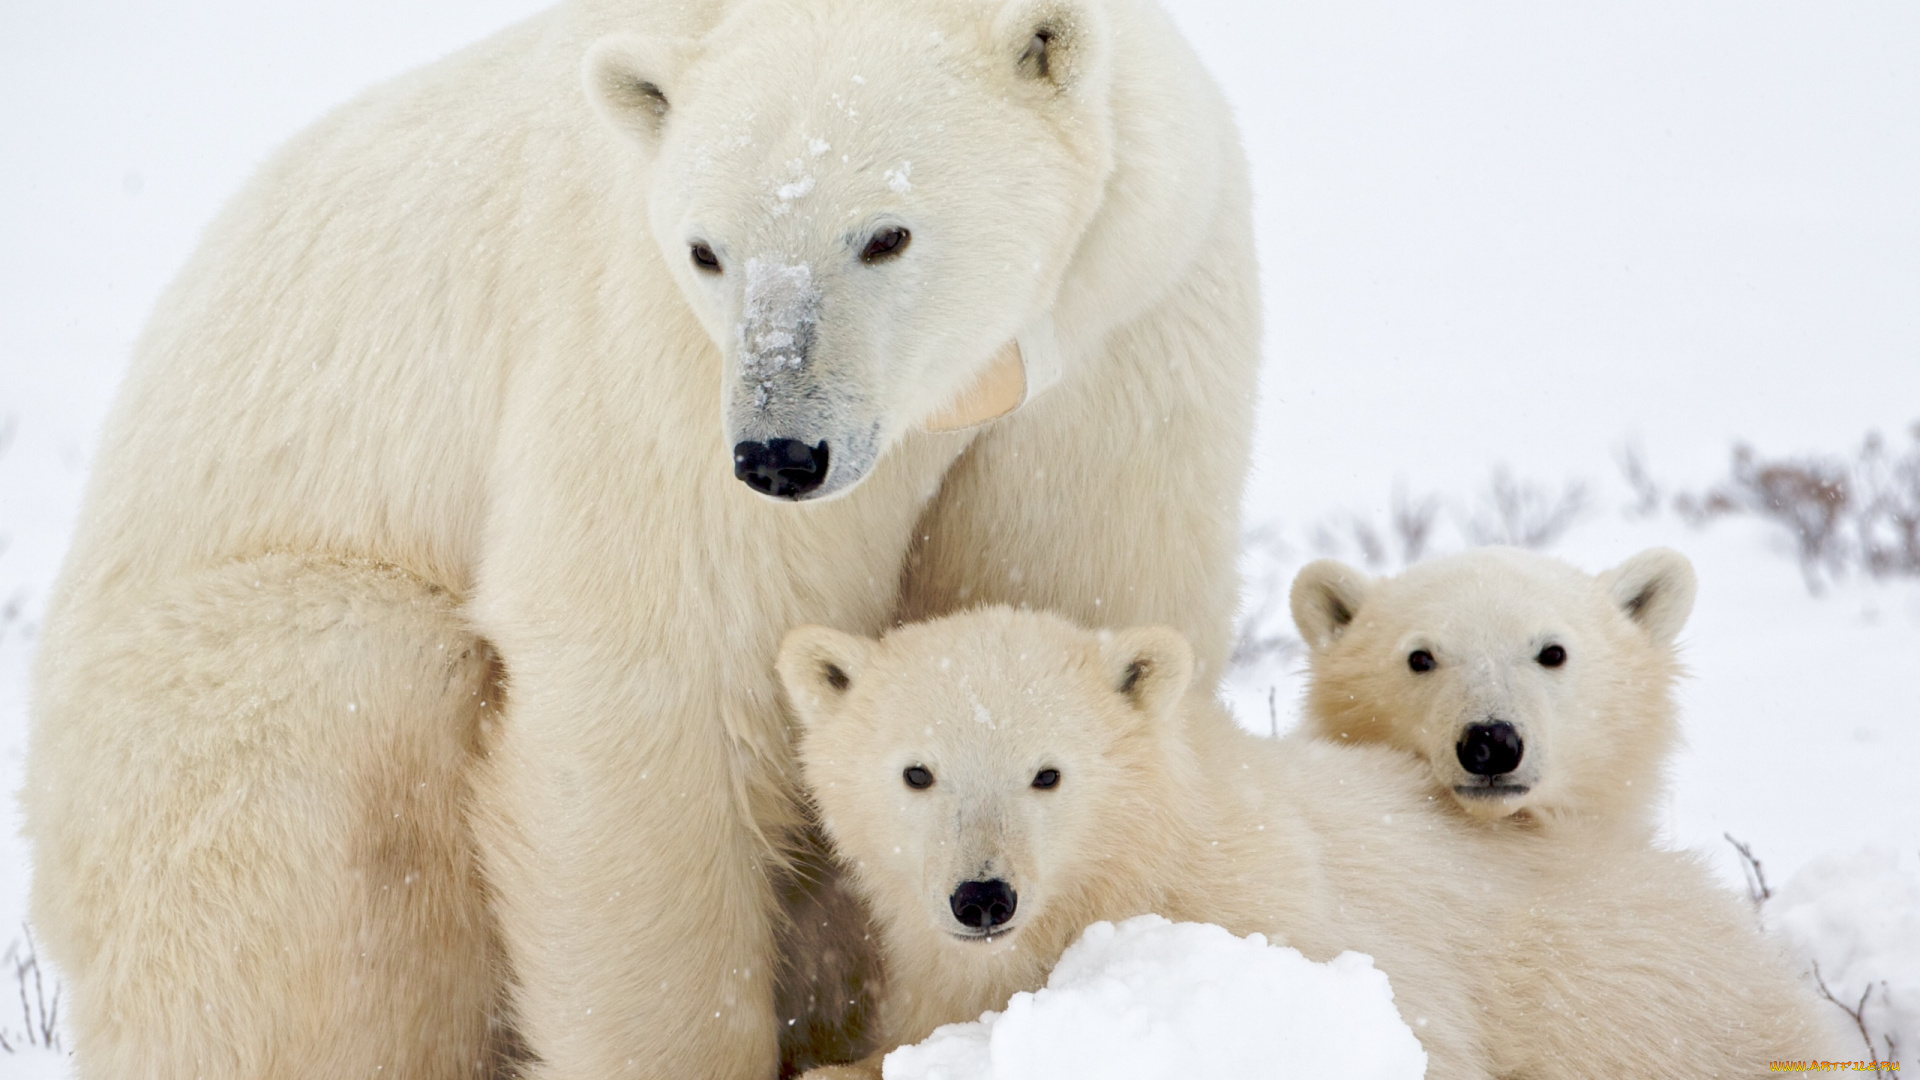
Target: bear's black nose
x: 1490, y: 749
x: 983, y: 905
x: 782, y: 468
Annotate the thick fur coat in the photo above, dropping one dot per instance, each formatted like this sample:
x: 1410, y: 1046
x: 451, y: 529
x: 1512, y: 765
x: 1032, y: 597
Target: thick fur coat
x: 1578, y: 669
x: 407, y: 704
x: 1069, y: 768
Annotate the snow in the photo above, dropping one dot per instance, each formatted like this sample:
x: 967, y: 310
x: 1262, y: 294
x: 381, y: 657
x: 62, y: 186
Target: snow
x: 1149, y: 999
x: 802, y: 184
x: 780, y: 308
x: 1859, y: 916
x: 1491, y: 233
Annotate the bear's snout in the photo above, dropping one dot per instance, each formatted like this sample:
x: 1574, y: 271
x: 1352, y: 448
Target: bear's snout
x: 983, y: 905
x: 1490, y: 749
x: 782, y: 468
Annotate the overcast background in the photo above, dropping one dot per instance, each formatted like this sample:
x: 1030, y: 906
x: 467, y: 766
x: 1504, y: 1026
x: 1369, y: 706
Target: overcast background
x: 1492, y: 234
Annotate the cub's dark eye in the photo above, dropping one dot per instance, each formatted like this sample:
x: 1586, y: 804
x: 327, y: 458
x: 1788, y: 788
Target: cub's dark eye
x: 886, y: 244
x: 1552, y: 656
x: 1046, y: 779
x: 918, y: 777
x: 704, y: 258
x: 1420, y: 660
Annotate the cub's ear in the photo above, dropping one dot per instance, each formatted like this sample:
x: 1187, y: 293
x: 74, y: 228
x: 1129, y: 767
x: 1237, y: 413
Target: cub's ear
x: 1655, y: 588
x: 1058, y: 43
x: 818, y: 666
x: 1326, y: 595
x: 628, y: 80
x: 1150, y: 666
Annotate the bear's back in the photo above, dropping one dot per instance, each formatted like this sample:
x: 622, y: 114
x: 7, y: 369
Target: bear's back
x: 330, y: 369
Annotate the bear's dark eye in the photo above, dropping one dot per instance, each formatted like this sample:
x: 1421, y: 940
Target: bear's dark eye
x: 1420, y: 660
x: 704, y: 258
x: 918, y: 777
x: 886, y: 244
x: 1552, y: 656
x: 1046, y: 779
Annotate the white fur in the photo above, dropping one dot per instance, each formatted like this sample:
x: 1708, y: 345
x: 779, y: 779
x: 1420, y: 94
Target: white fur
x: 441, y: 416
x: 1529, y: 958
x: 1597, y: 730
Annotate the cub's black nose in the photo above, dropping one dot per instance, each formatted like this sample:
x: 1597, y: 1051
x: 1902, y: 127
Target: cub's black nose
x: 783, y: 468
x: 1490, y: 749
x: 983, y: 905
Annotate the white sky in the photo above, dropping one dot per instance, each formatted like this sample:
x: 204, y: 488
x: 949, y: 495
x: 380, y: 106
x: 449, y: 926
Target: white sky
x: 1491, y: 231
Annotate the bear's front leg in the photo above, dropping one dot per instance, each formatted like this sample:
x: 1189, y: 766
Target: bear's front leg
x: 619, y: 832
x: 247, y: 797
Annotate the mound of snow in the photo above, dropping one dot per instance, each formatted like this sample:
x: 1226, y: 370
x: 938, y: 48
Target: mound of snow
x: 1858, y: 917
x: 1150, y: 999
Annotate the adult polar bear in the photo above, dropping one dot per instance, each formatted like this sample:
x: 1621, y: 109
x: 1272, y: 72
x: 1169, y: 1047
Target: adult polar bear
x: 412, y: 560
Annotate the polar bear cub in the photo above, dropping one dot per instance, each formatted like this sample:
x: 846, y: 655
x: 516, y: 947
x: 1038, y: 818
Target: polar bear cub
x: 996, y: 781
x: 1531, y: 690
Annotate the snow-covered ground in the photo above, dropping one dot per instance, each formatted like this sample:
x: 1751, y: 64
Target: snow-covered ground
x: 1492, y: 233
x: 1150, y: 999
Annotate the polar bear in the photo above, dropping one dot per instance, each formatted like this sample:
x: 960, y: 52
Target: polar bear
x: 1533, y: 691
x: 998, y: 780
x: 407, y: 700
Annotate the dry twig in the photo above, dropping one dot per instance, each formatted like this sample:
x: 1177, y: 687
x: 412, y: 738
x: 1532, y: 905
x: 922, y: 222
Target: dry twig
x: 39, y: 1011
x: 1524, y: 514
x: 1757, y: 889
x: 1857, y: 1013
x: 1646, y: 492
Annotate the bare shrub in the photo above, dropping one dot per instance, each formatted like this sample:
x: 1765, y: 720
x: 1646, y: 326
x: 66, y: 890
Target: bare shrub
x: 1842, y: 513
x: 1263, y: 635
x: 1253, y: 648
x: 1887, y: 502
x: 11, y: 610
x: 1373, y: 549
x: 1404, y: 538
x: 39, y: 1005
x: 1808, y: 496
x: 1413, y: 522
x: 1522, y: 513
x: 1647, y: 494
x: 1340, y: 536
x: 1698, y: 510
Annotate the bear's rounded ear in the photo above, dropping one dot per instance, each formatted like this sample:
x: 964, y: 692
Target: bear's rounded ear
x: 628, y: 79
x: 1326, y: 595
x: 1655, y: 588
x: 1150, y: 666
x: 817, y: 667
x: 1058, y: 43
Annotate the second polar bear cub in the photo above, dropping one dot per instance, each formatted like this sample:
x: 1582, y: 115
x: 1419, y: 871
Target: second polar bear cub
x: 1532, y: 690
x: 996, y: 781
